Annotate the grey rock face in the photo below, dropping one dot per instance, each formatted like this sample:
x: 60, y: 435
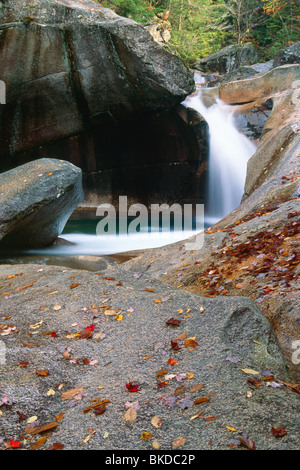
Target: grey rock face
x: 290, y: 55
x: 67, y: 65
x: 228, y: 59
x: 134, y: 350
x: 36, y: 201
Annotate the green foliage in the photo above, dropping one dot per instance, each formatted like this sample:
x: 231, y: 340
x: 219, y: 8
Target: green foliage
x: 197, y: 27
x: 202, y: 27
x: 141, y: 11
x: 280, y: 28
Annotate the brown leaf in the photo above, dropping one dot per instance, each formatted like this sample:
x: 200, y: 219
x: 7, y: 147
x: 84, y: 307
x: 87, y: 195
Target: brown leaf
x: 196, y: 388
x: 42, y: 373
x: 130, y: 415
x: 201, y: 400
x: 179, y: 442
x: 71, y: 393
x: 181, y: 337
x: 190, y: 342
x: 47, y: 427
x: 25, y: 287
x: 59, y: 417
x: 98, y: 410
x: 161, y: 372
x: 173, y: 321
x: 279, y: 432
x: 39, y: 443
x: 56, y: 446
x: 75, y: 284
x: 179, y: 390
x: 97, y: 405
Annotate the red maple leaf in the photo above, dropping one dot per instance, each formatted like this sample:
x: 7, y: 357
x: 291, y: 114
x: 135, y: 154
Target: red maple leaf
x: 131, y: 387
x: 15, y: 443
x: 90, y: 328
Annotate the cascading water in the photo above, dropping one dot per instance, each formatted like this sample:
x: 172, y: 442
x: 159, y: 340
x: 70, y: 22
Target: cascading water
x: 229, y: 152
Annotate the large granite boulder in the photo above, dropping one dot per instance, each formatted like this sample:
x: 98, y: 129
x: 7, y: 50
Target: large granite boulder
x: 37, y: 199
x: 290, y: 55
x: 199, y: 388
x: 228, y: 59
x: 72, y: 67
x: 272, y: 82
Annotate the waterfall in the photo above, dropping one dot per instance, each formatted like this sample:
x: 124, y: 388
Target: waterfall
x: 229, y: 152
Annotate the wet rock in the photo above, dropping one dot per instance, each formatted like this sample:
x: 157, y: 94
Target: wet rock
x: 37, y: 199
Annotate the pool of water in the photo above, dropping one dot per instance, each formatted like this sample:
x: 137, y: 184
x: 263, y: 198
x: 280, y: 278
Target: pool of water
x: 80, y: 247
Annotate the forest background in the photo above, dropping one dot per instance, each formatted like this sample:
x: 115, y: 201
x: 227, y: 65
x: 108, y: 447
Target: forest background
x: 201, y: 27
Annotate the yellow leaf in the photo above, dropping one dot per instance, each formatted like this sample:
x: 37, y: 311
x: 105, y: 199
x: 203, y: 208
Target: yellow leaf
x: 146, y: 436
x: 119, y: 317
x: 250, y: 371
x: 231, y: 428
x: 32, y: 419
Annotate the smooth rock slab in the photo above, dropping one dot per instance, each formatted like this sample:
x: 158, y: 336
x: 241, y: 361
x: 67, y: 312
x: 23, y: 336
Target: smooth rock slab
x: 276, y: 80
x: 134, y: 350
x: 37, y: 199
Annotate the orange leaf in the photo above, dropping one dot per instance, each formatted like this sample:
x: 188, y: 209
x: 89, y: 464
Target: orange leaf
x: 75, y: 284
x: 172, y: 362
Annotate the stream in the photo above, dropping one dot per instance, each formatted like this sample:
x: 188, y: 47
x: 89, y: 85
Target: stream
x: 229, y: 152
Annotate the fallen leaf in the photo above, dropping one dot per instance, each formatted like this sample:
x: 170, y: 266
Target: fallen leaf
x: 156, y: 422
x: 196, y: 388
x: 71, y: 393
x: 179, y: 442
x: 130, y: 415
x: 174, y: 322
x: 15, y: 444
x: 172, y: 362
x: 47, y: 427
x: 56, y: 446
x: 131, y: 387
x: 250, y: 371
x: 96, y: 405
x: 25, y: 287
x: 39, y: 443
x: 201, y: 400
x: 190, y: 342
x: 146, y: 436
x: 75, y: 284
x: 98, y: 410
x: 230, y: 428
x: 279, y: 432
x: 42, y: 373
x: 155, y: 445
